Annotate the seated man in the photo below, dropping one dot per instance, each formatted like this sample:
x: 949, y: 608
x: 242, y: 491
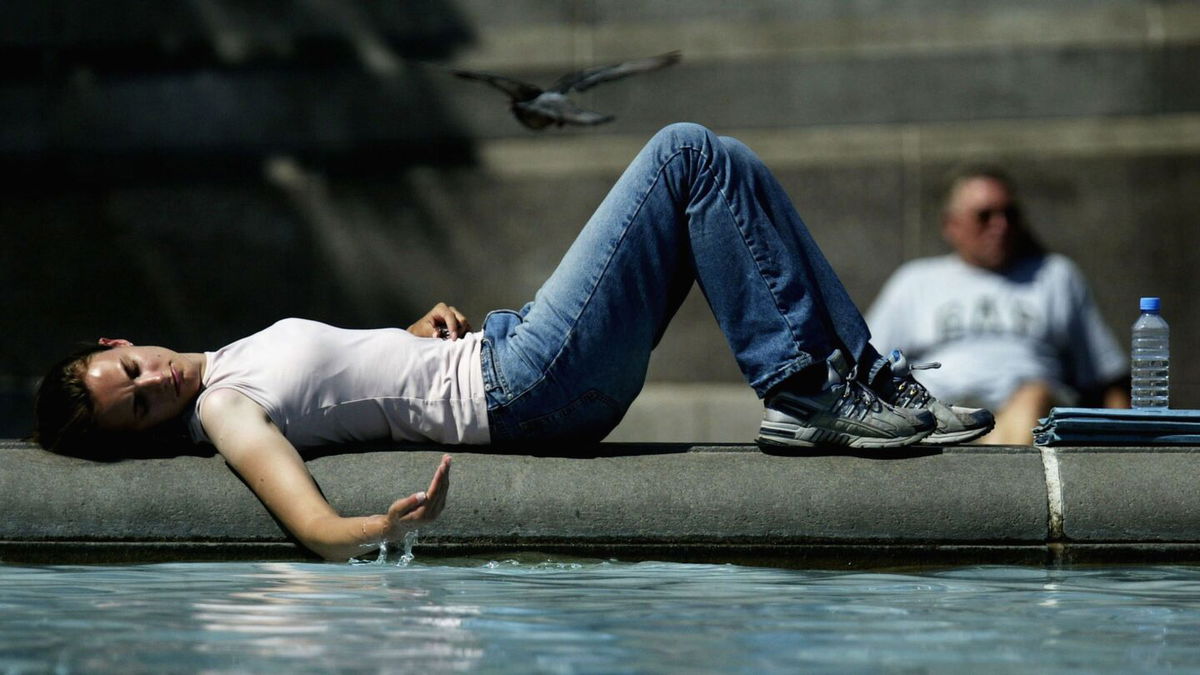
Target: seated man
x: 1015, y: 327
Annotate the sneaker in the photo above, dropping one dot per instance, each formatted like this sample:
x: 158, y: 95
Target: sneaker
x: 955, y: 424
x: 844, y: 413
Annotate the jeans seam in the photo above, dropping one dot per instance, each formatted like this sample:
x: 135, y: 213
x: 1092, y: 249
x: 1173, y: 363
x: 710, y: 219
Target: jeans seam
x: 798, y: 360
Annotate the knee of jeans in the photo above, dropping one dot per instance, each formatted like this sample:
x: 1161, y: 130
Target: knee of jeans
x: 685, y: 133
x: 736, y: 148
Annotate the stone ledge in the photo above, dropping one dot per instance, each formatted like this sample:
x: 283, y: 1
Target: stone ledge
x: 821, y: 508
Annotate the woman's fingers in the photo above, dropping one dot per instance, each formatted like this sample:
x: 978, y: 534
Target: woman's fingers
x: 443, y: 321
x: 439, y: 486
x: 426, y: 505
x: 453, y: 320
x: 407, y: 505
x: 464, y: 326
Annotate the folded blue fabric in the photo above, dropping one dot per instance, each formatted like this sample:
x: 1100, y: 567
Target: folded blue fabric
x: 1124, y: 414
x: 1055, y: 438
x: 1102, y: 426
x: 1127, y: 426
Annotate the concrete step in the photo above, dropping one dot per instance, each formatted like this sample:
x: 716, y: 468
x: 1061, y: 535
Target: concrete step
x: 635, y: 501
x: 130, y: 36
x: 340, y: 110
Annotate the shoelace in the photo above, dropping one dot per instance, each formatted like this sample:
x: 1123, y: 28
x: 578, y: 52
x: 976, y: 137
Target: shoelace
x: 913, y: 394
x: 857, y: 400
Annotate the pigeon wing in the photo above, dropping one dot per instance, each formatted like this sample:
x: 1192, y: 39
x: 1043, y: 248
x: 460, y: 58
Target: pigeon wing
x: 516, y: 89
x: 563, y: 111
x: 586, y: 79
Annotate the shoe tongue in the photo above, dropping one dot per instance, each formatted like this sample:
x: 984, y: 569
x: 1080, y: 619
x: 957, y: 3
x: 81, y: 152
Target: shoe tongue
x: 838, y: 368
x: 899, y: 363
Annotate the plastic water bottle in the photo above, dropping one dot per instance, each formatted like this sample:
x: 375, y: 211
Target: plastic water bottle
x: 1151, y: 357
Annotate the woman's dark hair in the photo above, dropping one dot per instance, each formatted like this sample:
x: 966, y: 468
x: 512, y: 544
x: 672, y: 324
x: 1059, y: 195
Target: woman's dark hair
x: 66, y: 422
x: 65, y: 415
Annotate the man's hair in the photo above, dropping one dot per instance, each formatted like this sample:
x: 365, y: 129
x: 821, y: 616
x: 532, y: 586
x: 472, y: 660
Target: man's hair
x: 66, y: 422
x: 966, y: 172
x: 1026, y: 243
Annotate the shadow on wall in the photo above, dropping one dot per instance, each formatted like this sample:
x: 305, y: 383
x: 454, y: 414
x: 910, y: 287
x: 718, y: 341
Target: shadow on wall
x: 174, y: 169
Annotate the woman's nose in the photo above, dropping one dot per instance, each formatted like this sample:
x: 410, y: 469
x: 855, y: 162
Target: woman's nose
x: 153, y: 380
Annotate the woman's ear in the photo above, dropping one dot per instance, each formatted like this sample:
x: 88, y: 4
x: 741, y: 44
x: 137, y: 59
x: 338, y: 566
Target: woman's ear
x: 114, y: 342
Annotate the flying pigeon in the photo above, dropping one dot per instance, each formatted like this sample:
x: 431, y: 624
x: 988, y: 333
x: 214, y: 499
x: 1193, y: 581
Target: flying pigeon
x: 537, y: 108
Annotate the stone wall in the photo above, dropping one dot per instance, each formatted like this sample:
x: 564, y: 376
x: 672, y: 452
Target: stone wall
x: 185, y: 173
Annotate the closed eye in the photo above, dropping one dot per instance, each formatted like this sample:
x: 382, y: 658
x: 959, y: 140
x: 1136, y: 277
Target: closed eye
x: 139, y: 402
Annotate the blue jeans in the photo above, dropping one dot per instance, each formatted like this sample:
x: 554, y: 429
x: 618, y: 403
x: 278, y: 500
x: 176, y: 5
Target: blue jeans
x: 691, y: 207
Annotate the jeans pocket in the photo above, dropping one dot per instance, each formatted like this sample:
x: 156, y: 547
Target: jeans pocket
x: 587, y: 418
x: 495, y: 387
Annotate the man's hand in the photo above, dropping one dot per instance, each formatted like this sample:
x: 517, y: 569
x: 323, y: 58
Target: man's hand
x: 443, y: 321
x: 422, y: 507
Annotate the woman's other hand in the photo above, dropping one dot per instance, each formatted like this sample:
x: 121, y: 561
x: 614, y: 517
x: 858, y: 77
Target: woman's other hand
x: 442, y: 321
x: 421, y: 507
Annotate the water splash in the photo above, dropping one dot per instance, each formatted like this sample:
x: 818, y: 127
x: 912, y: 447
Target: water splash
x: 410, y: 538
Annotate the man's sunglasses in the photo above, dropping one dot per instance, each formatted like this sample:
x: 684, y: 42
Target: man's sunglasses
x: 1011, y: 213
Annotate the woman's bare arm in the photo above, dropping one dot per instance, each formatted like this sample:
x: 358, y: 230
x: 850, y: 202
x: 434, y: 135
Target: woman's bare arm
x: 270, y: 465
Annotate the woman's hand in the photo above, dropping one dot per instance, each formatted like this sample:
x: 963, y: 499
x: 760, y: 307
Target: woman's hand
x: 442, y: 321
x: 421, y: 507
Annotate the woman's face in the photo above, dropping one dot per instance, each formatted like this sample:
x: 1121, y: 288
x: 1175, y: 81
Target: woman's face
x: 138, y: 388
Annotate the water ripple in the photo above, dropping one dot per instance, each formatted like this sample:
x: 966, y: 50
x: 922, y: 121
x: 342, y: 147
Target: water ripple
x: 528, y: 615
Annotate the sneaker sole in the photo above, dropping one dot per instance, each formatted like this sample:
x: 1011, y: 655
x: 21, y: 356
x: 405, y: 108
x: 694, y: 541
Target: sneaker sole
x: 963, y: 436
x: 792, y: 435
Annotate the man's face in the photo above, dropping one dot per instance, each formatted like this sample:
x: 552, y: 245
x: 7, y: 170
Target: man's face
x: 982, y: 223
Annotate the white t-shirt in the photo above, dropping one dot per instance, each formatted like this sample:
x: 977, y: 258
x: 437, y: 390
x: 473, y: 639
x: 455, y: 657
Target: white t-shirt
x: 992, y: 332
x: 320, y: 384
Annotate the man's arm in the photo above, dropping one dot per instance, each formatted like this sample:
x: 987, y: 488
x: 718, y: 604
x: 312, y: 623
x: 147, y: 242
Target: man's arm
x: 1116, y: 396
x: 270, y: 465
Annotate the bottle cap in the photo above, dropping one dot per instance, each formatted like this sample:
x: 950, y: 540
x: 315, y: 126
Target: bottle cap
x: 1150, y: 304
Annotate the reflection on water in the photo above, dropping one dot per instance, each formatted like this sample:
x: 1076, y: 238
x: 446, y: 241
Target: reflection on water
x: 592, y: 616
